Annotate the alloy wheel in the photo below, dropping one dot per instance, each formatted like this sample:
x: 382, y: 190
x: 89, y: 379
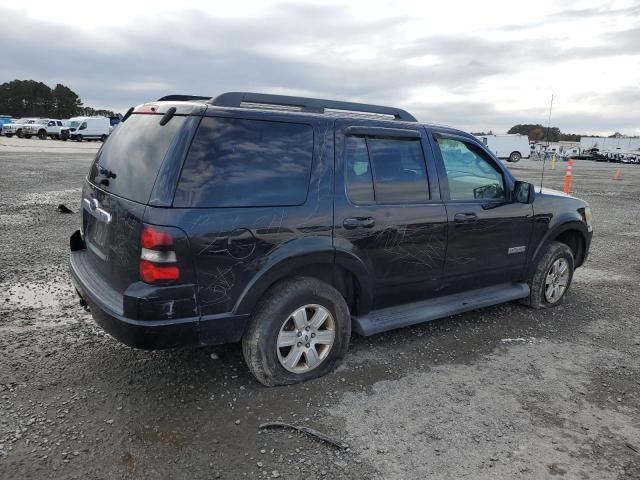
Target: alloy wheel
x: 305, y: 338
x: 557, y: 280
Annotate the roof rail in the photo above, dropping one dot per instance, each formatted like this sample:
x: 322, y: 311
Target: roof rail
x: 181, y: 98
x: 310, y: 105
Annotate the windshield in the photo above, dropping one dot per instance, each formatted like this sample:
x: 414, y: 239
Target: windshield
x: 72, y: 124
x: 128, y: 162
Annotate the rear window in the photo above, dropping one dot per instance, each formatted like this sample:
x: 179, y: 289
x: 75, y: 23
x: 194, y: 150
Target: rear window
x: 128, y: 162
x: 246, y: 163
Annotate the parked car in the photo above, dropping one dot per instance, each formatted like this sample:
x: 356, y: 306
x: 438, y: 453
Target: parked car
x: 286, y: 223
x: 16, y: 127
x: 43, y: 128
x: 87, y: 128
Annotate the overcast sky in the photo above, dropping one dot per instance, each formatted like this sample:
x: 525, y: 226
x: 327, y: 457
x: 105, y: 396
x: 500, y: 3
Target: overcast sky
x: 474, y: 65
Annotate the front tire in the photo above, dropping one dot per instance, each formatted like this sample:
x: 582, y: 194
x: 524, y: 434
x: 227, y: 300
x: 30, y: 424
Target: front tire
x: 42, y: 134
x: 19, y: 133
x: 552, y: 277
x: 515, y: 157
x: 299, y: 331
x: 8, y: 135
x: 78, y: 138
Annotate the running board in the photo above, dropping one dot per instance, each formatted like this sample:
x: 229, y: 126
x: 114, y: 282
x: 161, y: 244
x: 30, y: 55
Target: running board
x: 400, y: 316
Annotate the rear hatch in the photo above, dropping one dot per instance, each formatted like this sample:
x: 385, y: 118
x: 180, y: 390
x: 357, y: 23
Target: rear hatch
x: 118, y: 188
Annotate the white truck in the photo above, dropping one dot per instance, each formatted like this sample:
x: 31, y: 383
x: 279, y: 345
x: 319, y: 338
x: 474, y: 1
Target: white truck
x: 86, y: 128
x: 17, y: 127
x: 511, y: 147
x: 43, y: 128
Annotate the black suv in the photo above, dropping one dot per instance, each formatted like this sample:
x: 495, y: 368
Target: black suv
x: 286, y: 222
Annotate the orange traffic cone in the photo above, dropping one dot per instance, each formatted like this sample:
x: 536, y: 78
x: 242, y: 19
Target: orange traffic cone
x: 567, y: 177
x: 618, y: 175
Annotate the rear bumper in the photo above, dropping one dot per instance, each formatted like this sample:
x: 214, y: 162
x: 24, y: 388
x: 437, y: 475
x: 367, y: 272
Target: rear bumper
x: 106, y: 306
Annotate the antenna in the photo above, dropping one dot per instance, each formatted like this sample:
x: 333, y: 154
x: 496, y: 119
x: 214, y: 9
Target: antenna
x: 544, y: 160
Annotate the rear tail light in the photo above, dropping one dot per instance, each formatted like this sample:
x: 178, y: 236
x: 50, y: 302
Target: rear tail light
x: 158, y: 261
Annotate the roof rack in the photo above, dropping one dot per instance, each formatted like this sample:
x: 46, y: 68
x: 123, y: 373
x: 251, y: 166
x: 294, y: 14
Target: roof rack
x: 309, y: 105
x: 181, y: 98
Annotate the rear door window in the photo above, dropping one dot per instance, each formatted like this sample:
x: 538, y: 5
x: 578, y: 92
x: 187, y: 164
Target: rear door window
x: 128, y: 163
x: 246, y: 163
x: 385, y: 170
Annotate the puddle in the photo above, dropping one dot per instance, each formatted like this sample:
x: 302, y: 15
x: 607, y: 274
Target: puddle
x: 33, y: 295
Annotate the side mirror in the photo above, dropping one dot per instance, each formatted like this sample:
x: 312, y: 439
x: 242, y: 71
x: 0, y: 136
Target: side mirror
x: 523, y: 192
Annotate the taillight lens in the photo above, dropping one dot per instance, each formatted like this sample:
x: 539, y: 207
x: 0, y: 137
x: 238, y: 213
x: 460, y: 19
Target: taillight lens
x: 153, y: 273
x: 158, y: 261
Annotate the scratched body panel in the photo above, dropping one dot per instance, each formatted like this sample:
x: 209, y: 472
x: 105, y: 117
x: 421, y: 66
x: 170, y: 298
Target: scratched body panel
x: 115, y: 254
x: 405, y: 249
x: 232, y: 246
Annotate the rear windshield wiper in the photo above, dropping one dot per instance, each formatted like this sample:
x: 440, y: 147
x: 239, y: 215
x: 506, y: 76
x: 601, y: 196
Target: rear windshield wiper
x: 168, y: 116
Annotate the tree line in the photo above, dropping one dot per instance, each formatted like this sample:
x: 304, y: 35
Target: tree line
x: 540, y: 133
x: 29, y: 98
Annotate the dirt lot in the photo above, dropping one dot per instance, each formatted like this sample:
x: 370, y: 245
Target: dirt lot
x: 505, y: 392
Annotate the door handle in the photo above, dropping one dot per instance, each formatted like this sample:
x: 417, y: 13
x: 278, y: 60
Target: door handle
x: 465, y: 217
x: 352, y: 223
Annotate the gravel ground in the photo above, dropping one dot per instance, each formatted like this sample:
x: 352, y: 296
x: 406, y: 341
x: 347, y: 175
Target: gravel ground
x: 504, y: 392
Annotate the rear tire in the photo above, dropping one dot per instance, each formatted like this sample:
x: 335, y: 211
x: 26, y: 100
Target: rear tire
x: 554, y: 269
x: 19, y: 133
x: 103, y: 138
x: 515, y: 157
x: 265, y: 343
x: 8, y: 135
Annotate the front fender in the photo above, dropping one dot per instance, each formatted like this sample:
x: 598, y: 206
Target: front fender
x: 561, y: 225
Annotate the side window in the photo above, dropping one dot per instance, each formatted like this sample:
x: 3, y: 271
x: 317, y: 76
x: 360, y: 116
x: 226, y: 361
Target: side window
x: 470, y: 175
x: 59, y: 123
x: 399, y: 170
x: 246, y: 163
x: 359, y: 179
x: 51, y: 124
x: 83, y: 126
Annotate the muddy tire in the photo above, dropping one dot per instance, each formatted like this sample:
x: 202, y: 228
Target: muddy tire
x: 552, y: 277
x: 276, y: 335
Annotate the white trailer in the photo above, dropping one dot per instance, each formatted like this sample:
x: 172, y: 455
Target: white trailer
x: 511, y: 147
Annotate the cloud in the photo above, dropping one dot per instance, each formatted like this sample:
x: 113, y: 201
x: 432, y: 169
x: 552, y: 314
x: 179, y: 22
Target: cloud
x: 323, y: 51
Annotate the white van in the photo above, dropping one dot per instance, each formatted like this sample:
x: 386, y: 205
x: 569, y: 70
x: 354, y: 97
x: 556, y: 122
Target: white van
x: 512, y: 147
x: 87, y: 128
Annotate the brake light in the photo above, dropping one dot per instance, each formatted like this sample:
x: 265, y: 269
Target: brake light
x: 158, y: 261
x: 152, y: 238
x: 147, y: 108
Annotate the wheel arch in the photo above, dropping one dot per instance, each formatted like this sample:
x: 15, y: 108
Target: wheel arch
x: 572, y: 233
x: 342, y: 270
